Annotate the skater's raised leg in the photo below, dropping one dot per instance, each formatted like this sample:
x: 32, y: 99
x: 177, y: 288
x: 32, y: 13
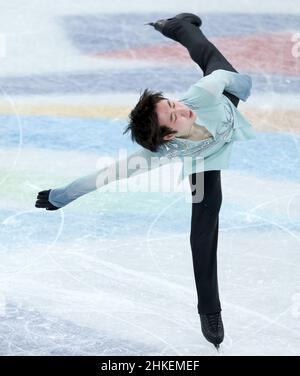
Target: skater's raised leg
x: 201, y: 50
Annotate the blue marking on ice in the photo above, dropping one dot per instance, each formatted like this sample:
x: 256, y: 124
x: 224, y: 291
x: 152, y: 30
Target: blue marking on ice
x: 40, y: 229
x: 274, y: 155
x: 132, y: 80
x: 93, y: 33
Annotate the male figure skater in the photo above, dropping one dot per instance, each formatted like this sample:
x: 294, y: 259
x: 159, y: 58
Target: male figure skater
x: 203, y: 123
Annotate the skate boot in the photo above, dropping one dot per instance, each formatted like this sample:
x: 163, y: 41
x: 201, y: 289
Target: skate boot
x: 188, y: 17
x: 212, y: 328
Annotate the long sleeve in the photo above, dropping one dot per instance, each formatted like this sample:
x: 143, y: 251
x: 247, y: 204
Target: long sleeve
x: 209, y: 89
x: 139, y: 162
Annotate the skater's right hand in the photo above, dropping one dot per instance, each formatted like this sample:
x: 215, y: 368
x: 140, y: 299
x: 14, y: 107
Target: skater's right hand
x: 42, y: 201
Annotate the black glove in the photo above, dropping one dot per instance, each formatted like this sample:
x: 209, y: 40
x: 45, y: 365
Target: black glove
x: 43, y: 201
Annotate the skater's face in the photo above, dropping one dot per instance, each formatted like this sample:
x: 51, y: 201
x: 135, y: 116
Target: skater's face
x: 175, y: 115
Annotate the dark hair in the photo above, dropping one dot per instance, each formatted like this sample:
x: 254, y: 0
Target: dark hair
x: 144, y: 126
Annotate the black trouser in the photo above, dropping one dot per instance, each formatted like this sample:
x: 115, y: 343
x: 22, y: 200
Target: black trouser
x: 205, y: 214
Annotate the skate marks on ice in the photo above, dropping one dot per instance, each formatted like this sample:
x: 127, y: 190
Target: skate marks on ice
x: 26, y: 331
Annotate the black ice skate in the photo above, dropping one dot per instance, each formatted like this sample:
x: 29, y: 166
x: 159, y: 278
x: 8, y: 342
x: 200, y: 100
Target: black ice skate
x: 188, y: 17
x: 212, y: 328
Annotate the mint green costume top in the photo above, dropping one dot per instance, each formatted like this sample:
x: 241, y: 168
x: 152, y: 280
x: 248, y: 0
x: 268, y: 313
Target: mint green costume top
x: 214, y: 111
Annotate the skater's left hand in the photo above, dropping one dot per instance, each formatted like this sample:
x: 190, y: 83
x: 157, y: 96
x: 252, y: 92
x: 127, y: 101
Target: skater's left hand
x: 43, y: 201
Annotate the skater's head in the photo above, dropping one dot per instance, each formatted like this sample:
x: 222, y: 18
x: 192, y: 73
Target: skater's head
x: 144, y: 124
x: 156, y: 120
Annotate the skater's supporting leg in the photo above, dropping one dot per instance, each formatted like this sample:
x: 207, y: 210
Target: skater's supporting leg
x: 204, y: 241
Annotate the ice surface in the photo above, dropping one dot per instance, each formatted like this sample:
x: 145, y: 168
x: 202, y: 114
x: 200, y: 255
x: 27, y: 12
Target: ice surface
x: 111, y: 274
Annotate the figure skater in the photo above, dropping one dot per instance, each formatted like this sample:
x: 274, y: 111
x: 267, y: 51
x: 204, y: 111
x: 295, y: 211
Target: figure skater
x: 203, y: 123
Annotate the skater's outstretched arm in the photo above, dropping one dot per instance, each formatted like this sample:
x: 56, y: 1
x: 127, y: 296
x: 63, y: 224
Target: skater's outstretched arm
x: 137, y: 163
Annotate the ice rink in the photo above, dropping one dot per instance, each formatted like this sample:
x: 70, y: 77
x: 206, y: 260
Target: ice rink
x: 111, y: 273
